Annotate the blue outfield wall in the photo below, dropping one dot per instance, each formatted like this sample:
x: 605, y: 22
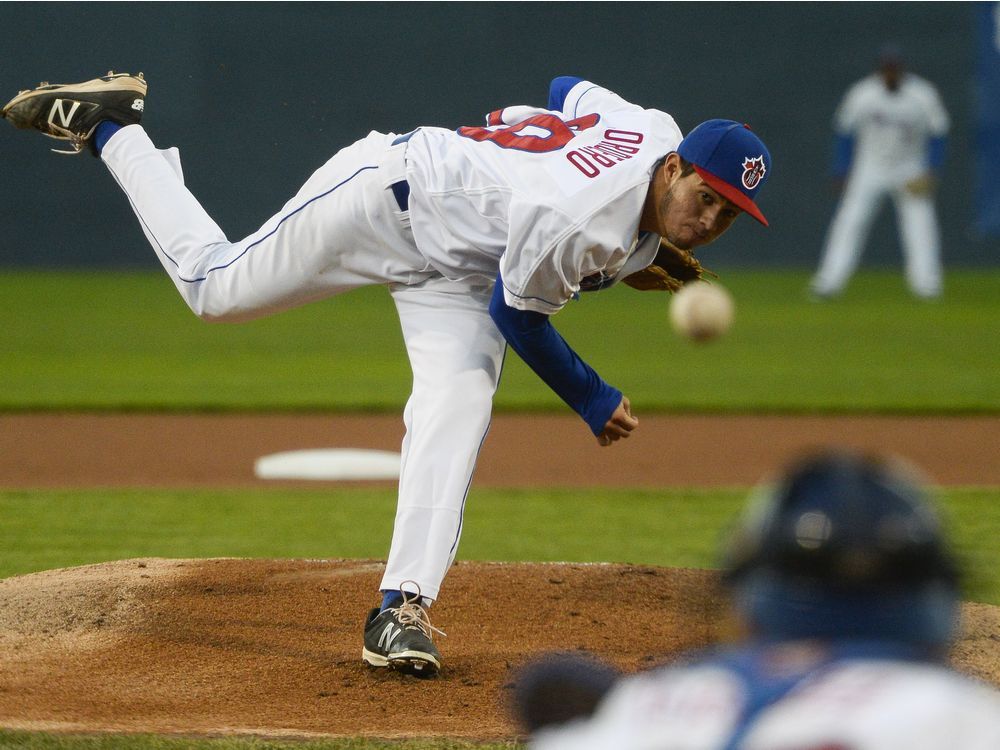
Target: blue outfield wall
x: 258, y: 95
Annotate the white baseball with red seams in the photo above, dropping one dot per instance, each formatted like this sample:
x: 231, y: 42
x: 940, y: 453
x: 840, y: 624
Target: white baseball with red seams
x: 701, y: 311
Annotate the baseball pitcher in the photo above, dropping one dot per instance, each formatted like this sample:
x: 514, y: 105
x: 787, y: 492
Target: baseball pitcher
x: 481, y: 233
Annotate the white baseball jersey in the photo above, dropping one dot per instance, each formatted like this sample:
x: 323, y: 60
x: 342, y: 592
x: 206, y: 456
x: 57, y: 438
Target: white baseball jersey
x: 556, y: 196
x: 892, y: 128
x: 844, y: 704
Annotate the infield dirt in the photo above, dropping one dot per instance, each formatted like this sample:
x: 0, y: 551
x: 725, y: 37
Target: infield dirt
x: 175, y: 450
x: 272, y: 647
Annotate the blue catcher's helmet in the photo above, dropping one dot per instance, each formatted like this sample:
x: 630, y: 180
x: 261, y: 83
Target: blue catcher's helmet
x: 844, y: 546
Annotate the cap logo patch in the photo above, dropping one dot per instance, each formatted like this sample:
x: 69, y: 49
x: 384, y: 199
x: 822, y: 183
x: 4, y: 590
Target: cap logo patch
x: 753, y: 171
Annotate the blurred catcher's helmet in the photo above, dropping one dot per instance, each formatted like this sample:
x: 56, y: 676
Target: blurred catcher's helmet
x: 844, y: 546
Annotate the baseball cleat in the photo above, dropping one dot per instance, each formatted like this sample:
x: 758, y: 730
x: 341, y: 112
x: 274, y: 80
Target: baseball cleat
x: 71, y: 112
x: 400, y: 638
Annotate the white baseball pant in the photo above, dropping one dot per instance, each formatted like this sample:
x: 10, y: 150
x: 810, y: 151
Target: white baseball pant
x: 918, y: 227
x: 342, y: 230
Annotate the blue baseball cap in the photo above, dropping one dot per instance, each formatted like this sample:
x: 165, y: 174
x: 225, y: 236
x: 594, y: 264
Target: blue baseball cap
x: 733, y: 161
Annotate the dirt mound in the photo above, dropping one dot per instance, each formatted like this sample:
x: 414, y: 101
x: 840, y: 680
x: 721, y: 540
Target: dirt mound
x: 272, y: 647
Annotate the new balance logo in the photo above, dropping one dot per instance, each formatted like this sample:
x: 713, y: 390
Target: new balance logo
x: 59, y: 110
x: 138, y: 105
x: 388, y: 636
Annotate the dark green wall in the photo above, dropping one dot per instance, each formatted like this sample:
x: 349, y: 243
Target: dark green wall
x: 259, y: 95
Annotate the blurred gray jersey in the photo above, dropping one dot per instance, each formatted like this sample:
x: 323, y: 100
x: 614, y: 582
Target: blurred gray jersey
x: 851, y: 705
x: 891, y: 128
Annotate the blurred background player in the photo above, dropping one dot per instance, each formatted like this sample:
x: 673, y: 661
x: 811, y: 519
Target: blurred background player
x: 890, y: 140
x: 849, y: 600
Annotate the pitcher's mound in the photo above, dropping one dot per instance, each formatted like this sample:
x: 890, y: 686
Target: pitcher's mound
x: 272, y: 647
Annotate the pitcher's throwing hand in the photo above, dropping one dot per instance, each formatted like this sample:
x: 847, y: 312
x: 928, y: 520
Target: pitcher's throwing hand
x: 620, y: 425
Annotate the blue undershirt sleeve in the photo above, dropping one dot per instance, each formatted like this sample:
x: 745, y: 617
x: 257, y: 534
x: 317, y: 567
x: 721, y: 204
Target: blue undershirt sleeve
x: 558, y: 90
x: 935, y: 152
x: 843, y: 153
x: 537, y: 342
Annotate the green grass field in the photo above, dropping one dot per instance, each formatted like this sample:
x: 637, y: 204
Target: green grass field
x: 108, y: 341
x: 671, y: 527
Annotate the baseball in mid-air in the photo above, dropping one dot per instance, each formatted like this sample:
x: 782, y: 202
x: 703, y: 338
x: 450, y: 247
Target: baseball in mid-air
x: 701, y: 311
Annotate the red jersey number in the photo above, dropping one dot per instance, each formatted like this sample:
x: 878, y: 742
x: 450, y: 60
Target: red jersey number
x: 559, y: 133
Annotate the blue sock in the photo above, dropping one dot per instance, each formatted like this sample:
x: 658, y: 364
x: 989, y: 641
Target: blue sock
x: 391, y: 598
x: 105, y: 129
